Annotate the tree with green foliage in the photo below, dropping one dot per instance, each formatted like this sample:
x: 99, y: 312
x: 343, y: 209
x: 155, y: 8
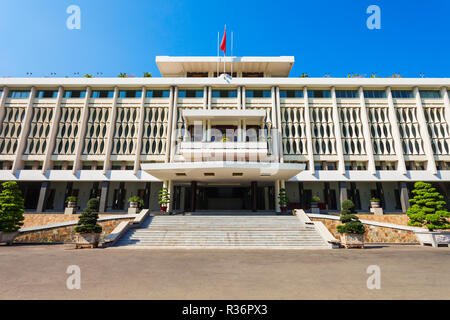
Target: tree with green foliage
x: 147, y: 75
x: 428, y: 208
x: 87, y: 223
x: 283, y: 199
x: 12, y: 206
x: 351, y: 223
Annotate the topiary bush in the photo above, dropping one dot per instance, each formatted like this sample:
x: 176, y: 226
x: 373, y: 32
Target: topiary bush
x: 87, y: 223
x: 12, y: 206
x: 428, y: 208
x: 283, y: 199
x: 351, y: 223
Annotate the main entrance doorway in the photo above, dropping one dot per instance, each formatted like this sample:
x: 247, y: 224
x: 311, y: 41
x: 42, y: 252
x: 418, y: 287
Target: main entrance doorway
x: 225, y: 198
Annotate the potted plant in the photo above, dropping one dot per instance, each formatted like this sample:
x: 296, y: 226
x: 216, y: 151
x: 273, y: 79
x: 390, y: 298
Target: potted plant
x: 71, y: 202
x: 352, y: 231
x: 428, y: 209
x: 315, y: 201
x: 11, y: 211
x: 375, y: 202
x: 283, y: 200
x: 164, y: 199
x: 135, y: 203
x: 88, y: 231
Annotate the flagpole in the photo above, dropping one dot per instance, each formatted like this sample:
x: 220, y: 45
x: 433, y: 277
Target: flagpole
x: 231, y: 53
x: 218, y: 56
x: 224, y: 54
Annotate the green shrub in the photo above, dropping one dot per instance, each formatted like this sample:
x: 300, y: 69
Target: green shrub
x: 136, y: 199
x: 71, y: 199
x: 351, y: 223
x: 315, y: 199
x: 87, y: 223
x: 428, y: 208
x: 374, y: 199
x: 11, y: 207
x: 283, y: 198
x: 164, y: 197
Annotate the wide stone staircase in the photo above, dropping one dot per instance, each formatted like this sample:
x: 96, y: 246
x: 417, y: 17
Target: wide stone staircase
x: 264, y: 232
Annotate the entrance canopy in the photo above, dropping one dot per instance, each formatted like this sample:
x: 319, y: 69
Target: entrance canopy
x: 223, y: 171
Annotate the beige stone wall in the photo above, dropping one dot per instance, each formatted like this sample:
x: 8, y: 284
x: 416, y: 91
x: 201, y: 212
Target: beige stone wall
x: 34, y: 220
x: 401, y: 219
x: 64, y: 234
x: 374, y: 234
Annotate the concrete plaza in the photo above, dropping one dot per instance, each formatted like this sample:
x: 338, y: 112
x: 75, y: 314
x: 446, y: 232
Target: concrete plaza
x: 407, y: 272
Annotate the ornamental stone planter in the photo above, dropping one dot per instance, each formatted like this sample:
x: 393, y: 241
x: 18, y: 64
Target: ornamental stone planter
x: 71, y: 207
x: 133, y: 209
x: 8, y: 237
x: 375, y: 204
x: 433, y: 238
x: 87, y: 240
x: 352, y: 240
x: 315, y: 207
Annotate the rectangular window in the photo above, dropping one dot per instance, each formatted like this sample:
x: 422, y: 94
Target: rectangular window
x: 130, y: 94
x: 319, y: 94
x: 402, y: 94
x: 253, y: 74
x: 291, y: 93
x: 430, y: 94
x: 158, y: 94
x: 234, y: 75
x: 347, y: 94
x: 258, y: 94
x: 74, y: 94
x: 102, y: 94
x: 19, y: 94
x: 190, y: 94
x: 224, y: 93
x: 318, y: 166
x: 47, y: 94
x: 377, y: 94
x: 197, y: 74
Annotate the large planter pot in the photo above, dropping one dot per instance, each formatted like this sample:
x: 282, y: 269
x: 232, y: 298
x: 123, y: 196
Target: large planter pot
x: 314, y: 205
x: 71, y: 204
x: 375, y: 204
x: 433, y: 238
x: 283, y: 209
x: 90, y: 240
x: 352, y: 240
x: 8, y: 237
x: 162, y: 209
x: 133, y: 204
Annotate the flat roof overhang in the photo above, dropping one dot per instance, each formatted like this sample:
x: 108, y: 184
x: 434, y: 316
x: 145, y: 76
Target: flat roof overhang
x: 202, y: 114
x: 179, y: 66
x: 223, y: 171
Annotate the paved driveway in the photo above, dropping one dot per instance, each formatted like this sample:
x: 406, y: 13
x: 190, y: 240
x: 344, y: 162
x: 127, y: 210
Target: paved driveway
x: 407, y: 272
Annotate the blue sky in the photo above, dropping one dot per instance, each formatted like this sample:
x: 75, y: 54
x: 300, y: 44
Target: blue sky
x: 324, y: 36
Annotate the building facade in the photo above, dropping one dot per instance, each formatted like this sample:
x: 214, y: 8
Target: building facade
x: 227, y: 142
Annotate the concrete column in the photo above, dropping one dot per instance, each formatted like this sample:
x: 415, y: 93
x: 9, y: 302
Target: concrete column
x: 445, y: 97
x: 169, y: 124
x: 45, y: 186
x: 337, y: 132
x: 53, y: 131
x: 83, y: 126
x: 277, y: 193
x: 137, y: 159
x: 173, y: 134
x: 243, y: 98
x: 280, y: 133
x: 401, y: 167
x: 266, y: 198
x: 404, y: 197
x: 205, y: 97
x: 342, y: 193
x: 104, y: 196
x: 193, y: 195
x: 112, y: 127
x: 275, y: 138
x: 239, y: 98
x: 171, y: 195
x: 3, y: 98
x: 366, y: 132
x: 209, y: 97
x: 431, y: 164
x: 309, y: 143
x: 24, y: 133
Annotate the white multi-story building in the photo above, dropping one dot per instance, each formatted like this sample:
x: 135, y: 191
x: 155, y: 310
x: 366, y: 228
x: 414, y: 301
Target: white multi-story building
x: 221, y: 142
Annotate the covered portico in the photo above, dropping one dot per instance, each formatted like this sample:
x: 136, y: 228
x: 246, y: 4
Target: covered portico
x: 239, y: 178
